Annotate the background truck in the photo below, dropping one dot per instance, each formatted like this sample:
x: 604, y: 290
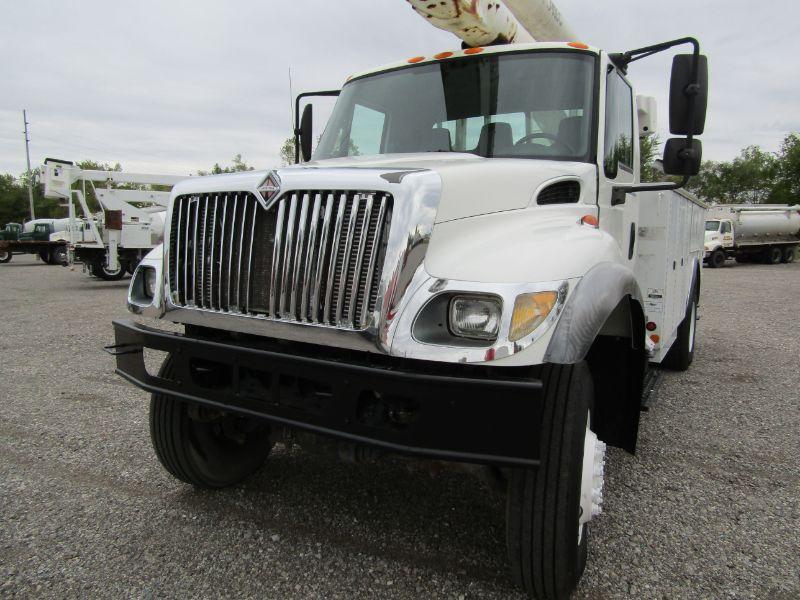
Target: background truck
x: 131, y: 223
x: 32, y: 238
x: 763, y: 233
x: 467, y: 269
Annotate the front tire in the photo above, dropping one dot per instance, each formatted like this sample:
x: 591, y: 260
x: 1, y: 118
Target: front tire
x: 547, y: 544
x: 205, y: 447
x: 717, y: 259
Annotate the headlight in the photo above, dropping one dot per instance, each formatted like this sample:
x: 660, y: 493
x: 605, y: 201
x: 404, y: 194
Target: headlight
x: 530, y: 311
x: 150, y: 283
x: 475, y: 317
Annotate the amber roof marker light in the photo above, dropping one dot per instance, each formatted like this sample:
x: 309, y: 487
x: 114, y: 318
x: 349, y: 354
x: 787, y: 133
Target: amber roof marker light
x: 442, y: 55
x: 477, y: 50
x: 578, y: 45
x: 416, y: 59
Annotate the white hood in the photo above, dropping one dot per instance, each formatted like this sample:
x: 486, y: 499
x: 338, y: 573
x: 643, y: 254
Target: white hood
x: 471, y: 185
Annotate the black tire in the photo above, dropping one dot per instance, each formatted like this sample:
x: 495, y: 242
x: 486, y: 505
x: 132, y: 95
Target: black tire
x: 5, y: 256
x: 204, y: 447
x: 59, y: 256
x: 717, y: 259
x: 681, y: 355
x: 543, y: 505
x: 102, y: 272
x: 774, y: 255
x: 44, y: 255
x: 789, y: 254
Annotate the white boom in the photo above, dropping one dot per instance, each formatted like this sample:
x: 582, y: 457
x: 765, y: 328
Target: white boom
x: 483, y: 22
x: 141, y: 221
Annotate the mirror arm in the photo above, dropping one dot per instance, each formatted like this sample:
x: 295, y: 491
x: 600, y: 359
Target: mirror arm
x: 297, y: 130
x: 619, y: 192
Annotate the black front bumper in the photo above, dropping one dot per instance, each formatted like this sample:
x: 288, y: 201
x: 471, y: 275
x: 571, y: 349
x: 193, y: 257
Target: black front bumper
x: 446, y: 412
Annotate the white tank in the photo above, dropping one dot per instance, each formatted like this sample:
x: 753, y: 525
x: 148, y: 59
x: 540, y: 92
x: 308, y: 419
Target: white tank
x: 56, y: 224
x: 765, y: 221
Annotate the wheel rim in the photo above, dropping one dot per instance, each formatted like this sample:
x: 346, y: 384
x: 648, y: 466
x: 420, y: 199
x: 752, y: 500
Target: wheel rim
x: 692, y: 325
x: 592, y: 477
x: 224, y: 448
x: 3, y: 255
x: 111, y: 273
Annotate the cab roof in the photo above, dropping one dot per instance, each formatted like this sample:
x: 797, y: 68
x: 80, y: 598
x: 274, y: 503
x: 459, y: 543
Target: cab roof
x: 467, y: 52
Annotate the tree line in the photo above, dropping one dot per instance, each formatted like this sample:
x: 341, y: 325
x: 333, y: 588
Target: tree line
x: 754, y: 177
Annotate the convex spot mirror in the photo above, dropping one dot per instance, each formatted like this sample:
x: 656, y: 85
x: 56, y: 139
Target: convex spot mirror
x: 306, y: 126
x: 680, y: 158
x: 681, y: 94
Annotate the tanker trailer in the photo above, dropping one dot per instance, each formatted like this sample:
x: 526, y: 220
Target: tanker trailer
x: 765, y: 233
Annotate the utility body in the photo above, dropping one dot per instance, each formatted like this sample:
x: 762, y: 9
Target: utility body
x: 752, y: 233
x: 467, y: 269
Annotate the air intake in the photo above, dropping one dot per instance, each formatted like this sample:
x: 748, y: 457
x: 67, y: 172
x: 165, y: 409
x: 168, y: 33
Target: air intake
x: 563, y: 192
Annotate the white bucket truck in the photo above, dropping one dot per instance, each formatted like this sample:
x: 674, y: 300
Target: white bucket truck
x: 467, y: 269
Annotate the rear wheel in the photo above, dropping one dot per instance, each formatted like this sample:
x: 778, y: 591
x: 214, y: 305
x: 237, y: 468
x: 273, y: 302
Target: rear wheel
x: 717, y: 259
x: 789, y: 254
x: 5, y: 256
x: 104, y: 272
x: 774, y: 255
x: 45, y: 256
x: 681, y: 355
x: 205, y: 447
x: 59, y: 256
x: 549, y: 507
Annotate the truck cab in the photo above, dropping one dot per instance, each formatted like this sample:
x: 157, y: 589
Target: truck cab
x: 466, y: 269
x: 718, y: 241
x: 11, y: 232
x: 40, y: 233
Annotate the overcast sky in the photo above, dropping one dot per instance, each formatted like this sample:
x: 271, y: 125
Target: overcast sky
x: 175, y: 86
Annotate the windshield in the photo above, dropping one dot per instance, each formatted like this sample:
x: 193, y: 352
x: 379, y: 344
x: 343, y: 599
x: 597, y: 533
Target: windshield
x: 525, y: 105
x: 712, y: 225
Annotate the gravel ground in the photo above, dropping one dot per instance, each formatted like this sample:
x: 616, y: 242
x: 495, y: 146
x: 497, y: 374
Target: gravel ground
x: 707, y: 508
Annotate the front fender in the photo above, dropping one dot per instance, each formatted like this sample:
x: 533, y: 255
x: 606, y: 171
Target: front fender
x: 595, y: 298
x: 530, y: 245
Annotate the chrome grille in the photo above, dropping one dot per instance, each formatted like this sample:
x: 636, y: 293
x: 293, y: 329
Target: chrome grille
x: 314, y: 256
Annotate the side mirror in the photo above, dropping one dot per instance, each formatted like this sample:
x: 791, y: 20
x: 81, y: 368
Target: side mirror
x: 682, y: 159
x: 306, y: 126
x: 688, y: 101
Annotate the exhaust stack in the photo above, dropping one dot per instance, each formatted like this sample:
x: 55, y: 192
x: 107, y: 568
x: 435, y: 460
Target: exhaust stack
x: 486, y: 22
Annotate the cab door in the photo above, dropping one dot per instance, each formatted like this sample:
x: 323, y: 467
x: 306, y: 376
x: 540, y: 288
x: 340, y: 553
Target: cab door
x: 726, y: 230
x: 618, y: 161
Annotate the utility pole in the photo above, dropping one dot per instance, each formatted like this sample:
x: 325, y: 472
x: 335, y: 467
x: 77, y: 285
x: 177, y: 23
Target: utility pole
x: 28, y: 157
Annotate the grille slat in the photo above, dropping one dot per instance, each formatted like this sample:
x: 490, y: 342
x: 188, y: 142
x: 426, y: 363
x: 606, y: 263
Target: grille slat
x: 362, y: 247
x: 313, y: 257
x: 311, y: 252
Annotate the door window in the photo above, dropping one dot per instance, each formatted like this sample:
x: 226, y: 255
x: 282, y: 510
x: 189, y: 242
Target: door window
x: 619, y: 126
